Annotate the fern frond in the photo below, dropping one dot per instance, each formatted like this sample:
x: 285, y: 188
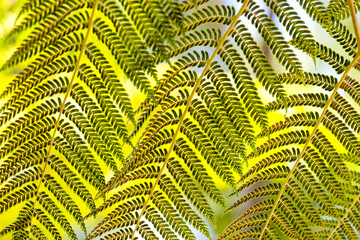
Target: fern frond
x: 217, y: 14
x: 124, y: 100
x: 273, y: 38
x: 37, y: 42
x: 340, y: 9
x: 92, y: 125
x: 244, y: 84
x: 302, y: 187
x: 348, y: 224
x: 290, y: 19
x: 318, y: 12
x: 317, y: 50
x: 258, y: 61
x: 52, y: 11
x: 188, y: 5
x: 130, y: 68
x: 197, y: 38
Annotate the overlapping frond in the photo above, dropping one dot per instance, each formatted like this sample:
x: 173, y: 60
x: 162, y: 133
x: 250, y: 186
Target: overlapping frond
x: 87, y: 133
x: 340, y: 9
x: 114, y: 130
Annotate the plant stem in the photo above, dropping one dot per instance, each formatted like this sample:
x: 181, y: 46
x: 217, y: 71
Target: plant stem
x: 355, y: 23
x: 345, y: 215
x: 357, y: 33
x: 68, y: 90
x: 347, y: 70
x: 181, y: 120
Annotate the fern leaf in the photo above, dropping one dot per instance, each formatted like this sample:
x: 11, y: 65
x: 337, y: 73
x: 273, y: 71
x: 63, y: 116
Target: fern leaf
x: 119, y: 123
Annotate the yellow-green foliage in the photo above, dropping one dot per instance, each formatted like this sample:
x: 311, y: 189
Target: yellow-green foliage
x: 89, y: 147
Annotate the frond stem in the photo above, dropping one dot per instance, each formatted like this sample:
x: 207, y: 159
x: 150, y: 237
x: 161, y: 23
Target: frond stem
x: 309, y: 140
x: 62, y: 109
x: 357, y: 33
x: 181, y: 120
x: 345, y: 215
x: 355, y: 23
x: 347, y: 70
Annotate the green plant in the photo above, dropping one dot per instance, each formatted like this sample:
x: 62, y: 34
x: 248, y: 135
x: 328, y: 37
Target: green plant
x: 130, y: 116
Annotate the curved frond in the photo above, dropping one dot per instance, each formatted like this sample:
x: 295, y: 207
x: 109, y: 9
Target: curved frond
x: 134, y: 119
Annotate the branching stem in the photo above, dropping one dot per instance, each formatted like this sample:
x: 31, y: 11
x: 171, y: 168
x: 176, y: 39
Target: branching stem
x: 181, y: 120
x: 347, y: 70
x: 68, y: 90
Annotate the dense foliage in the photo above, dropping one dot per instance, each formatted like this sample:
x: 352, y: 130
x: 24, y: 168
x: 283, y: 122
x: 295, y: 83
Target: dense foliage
x: 140, y: 119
